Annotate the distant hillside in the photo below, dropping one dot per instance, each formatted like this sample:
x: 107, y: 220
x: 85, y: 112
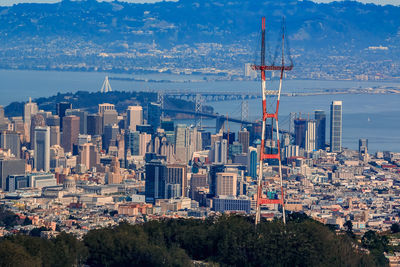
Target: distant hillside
x: 189, y: 21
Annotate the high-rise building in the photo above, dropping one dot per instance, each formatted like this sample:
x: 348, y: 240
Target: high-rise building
x: 252, y: 167
x: 144, y: 140
x: 110, y: 117
x: 154, y: 115
x: 132, y: 142
x: 89, y: 155
x: 54, y: 135
x: 30, y: 109
x: 105, y: 106
x: 110, y: 135
x: 37, y: 120
x: 53, y: 120
x: 336, y: 126
x: 70, y: 132
x: 82, y: 118
x: 226, y: 184
x: 244, y: 139
x: 10, y: 166
x: 300, y: 132
x: 176, y: 174
x: 156, y: 174
x: 42, y: 148
x: 167, y: 125
x: 310, y: 136
x: 212, y: 174
x: 220, y: 151
x: 11, y: 140
x: 61, y: 108
x: 320, y: 129
x: 363, y: 146
x: 94, y: 125
x: 134, y: 116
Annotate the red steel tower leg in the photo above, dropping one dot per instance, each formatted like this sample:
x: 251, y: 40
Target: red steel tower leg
x: 274, y: 117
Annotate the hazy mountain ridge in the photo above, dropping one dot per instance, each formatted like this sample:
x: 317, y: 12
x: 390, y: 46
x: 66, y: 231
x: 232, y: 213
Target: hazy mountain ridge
x: 190, y: 21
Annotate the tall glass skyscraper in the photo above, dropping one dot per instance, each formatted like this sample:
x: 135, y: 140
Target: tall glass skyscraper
x: 336, y: 126
x: 320, y: 129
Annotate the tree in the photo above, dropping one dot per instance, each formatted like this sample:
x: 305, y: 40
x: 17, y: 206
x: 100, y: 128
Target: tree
x: 395, y: 228
x: 348, y: 225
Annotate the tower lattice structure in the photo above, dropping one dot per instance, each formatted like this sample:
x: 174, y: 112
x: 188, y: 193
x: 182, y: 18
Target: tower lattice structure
x: 270, y: 111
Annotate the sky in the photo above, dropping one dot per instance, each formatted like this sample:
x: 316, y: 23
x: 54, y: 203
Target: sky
x: 11, y: 2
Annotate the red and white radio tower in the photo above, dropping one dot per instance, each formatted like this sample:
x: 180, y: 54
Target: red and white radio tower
x: 270, y: 113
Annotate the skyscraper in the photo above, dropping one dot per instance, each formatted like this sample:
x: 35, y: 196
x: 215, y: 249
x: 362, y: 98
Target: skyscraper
x: 82, y: 118
x: 30, y: 109
x: 42, y: 148
x: 226, y: 184
x: 154, y: 115
x: 244, y: 139
x: 300, y: 132
x: 37, y: 120
x: 336, y: 126
x: 70, y: 132
x: 176, y: 174
x: 310, y: 136
x: 320, y: 129
x: 11, y: 140
x: 54, y: 135
x: 94, y: 125
x: 156, y: 174
x: 134, y: 116
x: 61, y: 108
x: 252, y: 167
x: 110, y: 135
x: 132, y: 142
x: 363, y: 146
x: 9, y: 166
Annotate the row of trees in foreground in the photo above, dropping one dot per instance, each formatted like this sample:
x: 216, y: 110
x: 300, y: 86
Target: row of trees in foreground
x: 220, y: 241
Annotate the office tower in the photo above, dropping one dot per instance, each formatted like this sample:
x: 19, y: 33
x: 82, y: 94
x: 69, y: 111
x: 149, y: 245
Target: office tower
x: 132, y: 142
x: 235, y: 149
x: 205, y: 140
x: 89, y: 155
x: 18, y: 124
x: 167, y: 125
x: 177, y: 174
x: 10, y: 166
x: 70, y: 132
x: 230, y: 136
x: 53, y: 120
x: 37, y: 120
x: 94, y: 125
x: 30, y: 109
x: 226, y: 184
x: 336, y: 126
x: 61, y: 108
x: 363, y: 146
x: 310, y: 136
x: 45, y: 114
x: 156, y: 174
x: 146, y: 128
x: 197, y: 180
x: 300, y: 132
x: 181, y: 140
x: 252, y: 166
x: 4, y: 122
x: 114, y: 175
x: 220, y: 151
x: 134, y: 116
x: 11, y: 140
x: 110, y: 135
x: 42, y: 148
x: 320, y: 129
x: 84, y: 138
x: 110, y: 117
x: 154, y: 115
x: 244, y: 139
x: 82, y: 118
x: 144, y: 140
x: 105, y: 106
x: 54, y: 135
x: 212, y: 177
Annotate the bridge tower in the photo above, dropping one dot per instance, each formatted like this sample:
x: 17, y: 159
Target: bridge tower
x: 106, y: 87
x: 160, y: 100
x: 245, y: 111
x: 199, y: 109
x: 270, y: 111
